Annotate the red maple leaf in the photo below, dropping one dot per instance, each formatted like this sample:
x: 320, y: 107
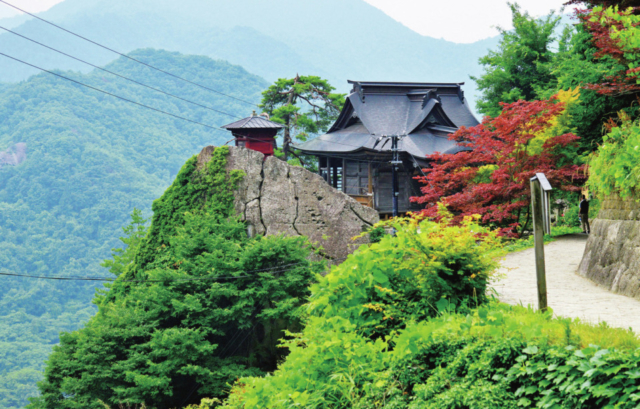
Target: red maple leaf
x: 492, y: 179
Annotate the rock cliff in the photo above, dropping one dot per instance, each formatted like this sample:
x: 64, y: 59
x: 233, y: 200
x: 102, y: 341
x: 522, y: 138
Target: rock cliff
x: 612, y: 255
x: 276, y: 198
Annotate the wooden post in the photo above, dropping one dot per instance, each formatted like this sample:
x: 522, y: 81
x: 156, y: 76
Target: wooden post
x: 369, y: 179
x: 538, y: 237
x: 334, y: 173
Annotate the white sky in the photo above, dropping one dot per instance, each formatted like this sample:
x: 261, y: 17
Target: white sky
x: 461, y: 21
x: 28, y: 5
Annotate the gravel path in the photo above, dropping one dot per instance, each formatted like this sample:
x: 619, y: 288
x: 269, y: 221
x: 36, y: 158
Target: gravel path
x: 568, y: 294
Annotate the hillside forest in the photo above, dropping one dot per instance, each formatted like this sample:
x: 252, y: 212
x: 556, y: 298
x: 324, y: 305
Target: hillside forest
x: 199, y: 315
x: 90, y: 160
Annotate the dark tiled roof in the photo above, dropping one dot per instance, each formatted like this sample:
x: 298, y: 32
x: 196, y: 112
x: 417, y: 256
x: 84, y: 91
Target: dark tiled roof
x: 254, y: 122
x: 357, y: 139
x: 425, y: 113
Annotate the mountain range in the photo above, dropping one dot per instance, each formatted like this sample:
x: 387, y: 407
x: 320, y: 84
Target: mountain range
x: 336, y: 39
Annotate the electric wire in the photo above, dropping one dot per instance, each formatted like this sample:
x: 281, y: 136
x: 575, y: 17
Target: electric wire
x: 132, y: 59
x: 127, y: 56
x: 138, y: 61
x: 119, y: 75
x: 246, y: 274
x: 114, y: 95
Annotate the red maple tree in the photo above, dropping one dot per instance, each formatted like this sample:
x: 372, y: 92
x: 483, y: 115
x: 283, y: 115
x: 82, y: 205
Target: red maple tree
x: 492, y: 177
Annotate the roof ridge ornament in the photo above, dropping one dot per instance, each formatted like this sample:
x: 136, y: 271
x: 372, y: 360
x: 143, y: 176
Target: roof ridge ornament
x: 461, y: 94
x: 357, y: 87
x: 431, y: 94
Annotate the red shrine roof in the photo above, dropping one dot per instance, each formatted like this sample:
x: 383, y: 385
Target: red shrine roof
x: 254, y: 122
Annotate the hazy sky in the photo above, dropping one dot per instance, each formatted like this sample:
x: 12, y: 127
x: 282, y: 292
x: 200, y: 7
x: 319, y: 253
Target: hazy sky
x: 28, y: 5
x: 461, y: 21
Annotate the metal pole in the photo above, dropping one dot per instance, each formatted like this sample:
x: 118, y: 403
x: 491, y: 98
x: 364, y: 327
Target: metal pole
x: 394, y: 173
x: 538, y: 237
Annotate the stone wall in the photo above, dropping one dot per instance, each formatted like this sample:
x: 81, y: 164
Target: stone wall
x: 612, y: 255
x: 276, y: 198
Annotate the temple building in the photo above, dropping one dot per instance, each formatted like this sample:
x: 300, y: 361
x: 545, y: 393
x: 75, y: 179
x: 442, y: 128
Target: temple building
x: 354, y: 155
x: 256, y: 132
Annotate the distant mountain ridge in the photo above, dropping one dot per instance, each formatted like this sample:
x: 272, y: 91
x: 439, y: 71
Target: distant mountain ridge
x: 336, y: 39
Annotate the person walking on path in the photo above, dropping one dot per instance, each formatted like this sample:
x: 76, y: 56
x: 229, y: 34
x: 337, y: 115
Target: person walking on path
x: 584, y: 215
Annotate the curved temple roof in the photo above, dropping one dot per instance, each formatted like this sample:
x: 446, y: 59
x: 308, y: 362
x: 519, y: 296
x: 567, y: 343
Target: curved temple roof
x: 255, y: 122
x: 424, y: 113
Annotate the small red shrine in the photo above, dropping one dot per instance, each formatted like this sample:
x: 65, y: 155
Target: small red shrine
x: 256, y: 132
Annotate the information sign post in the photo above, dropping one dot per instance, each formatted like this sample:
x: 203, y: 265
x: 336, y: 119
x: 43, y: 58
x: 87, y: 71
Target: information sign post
x: 540, y: 188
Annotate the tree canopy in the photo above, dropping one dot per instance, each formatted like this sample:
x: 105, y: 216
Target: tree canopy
x: 303, y: 104
x: 491, y: 177
x: 520, y: 65
x: 90, y: 160
x: 201, y: 305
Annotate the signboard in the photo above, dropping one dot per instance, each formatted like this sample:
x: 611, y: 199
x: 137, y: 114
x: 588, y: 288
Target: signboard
x: 546, y: 205
x: 540, y: 188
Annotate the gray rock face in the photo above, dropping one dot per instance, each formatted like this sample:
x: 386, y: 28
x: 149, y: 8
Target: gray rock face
x: 276, y: 198
x: 612, y: 255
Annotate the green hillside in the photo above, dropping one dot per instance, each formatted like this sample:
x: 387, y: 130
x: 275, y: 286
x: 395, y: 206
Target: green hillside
x: 90, y: 160
x: 336, y: 39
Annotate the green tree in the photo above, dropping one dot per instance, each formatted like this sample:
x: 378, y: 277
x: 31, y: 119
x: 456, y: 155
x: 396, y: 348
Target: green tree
x: 201, y: 305
x: 91, y: 159
x: 576, y: 65
x: 520, y: 66
x: 134, y: 233
x: 304, y: 105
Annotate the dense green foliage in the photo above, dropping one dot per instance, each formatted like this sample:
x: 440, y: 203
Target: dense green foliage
x: 360, y: 306
x: 614, y: 166
x: 520, y: 65
x: 536, y: 59
x: 375, y: 338
x: 577, y: 64
x: 90, y: 160
x: 201, y: 305
x: 304, y: 105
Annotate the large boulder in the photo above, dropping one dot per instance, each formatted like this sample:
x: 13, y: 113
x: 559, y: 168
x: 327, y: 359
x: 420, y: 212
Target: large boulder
x: 277, y: 198
x: 612, y: 254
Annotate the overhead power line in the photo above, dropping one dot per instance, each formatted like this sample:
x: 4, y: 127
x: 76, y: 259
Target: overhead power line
x: 246, y: 274
x: 119, y: 75
x: 114, y: 95
x: 127, y: 56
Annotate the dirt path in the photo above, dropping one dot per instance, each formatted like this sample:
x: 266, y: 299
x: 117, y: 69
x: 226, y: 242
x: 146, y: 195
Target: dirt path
x: 569, y: 294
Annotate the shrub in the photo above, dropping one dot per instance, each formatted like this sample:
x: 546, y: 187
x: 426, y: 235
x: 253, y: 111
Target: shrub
x: 494, y: 356
x: 359, y: 307
x: 613, y: 168
x: 376, y: 234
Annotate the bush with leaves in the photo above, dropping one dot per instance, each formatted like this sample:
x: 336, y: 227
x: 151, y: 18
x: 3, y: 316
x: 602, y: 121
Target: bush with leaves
x: 495, y: 356
x: 380, y: 334
x: 359, y: 307
x: 201, y: 305
x: 613, y: 168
